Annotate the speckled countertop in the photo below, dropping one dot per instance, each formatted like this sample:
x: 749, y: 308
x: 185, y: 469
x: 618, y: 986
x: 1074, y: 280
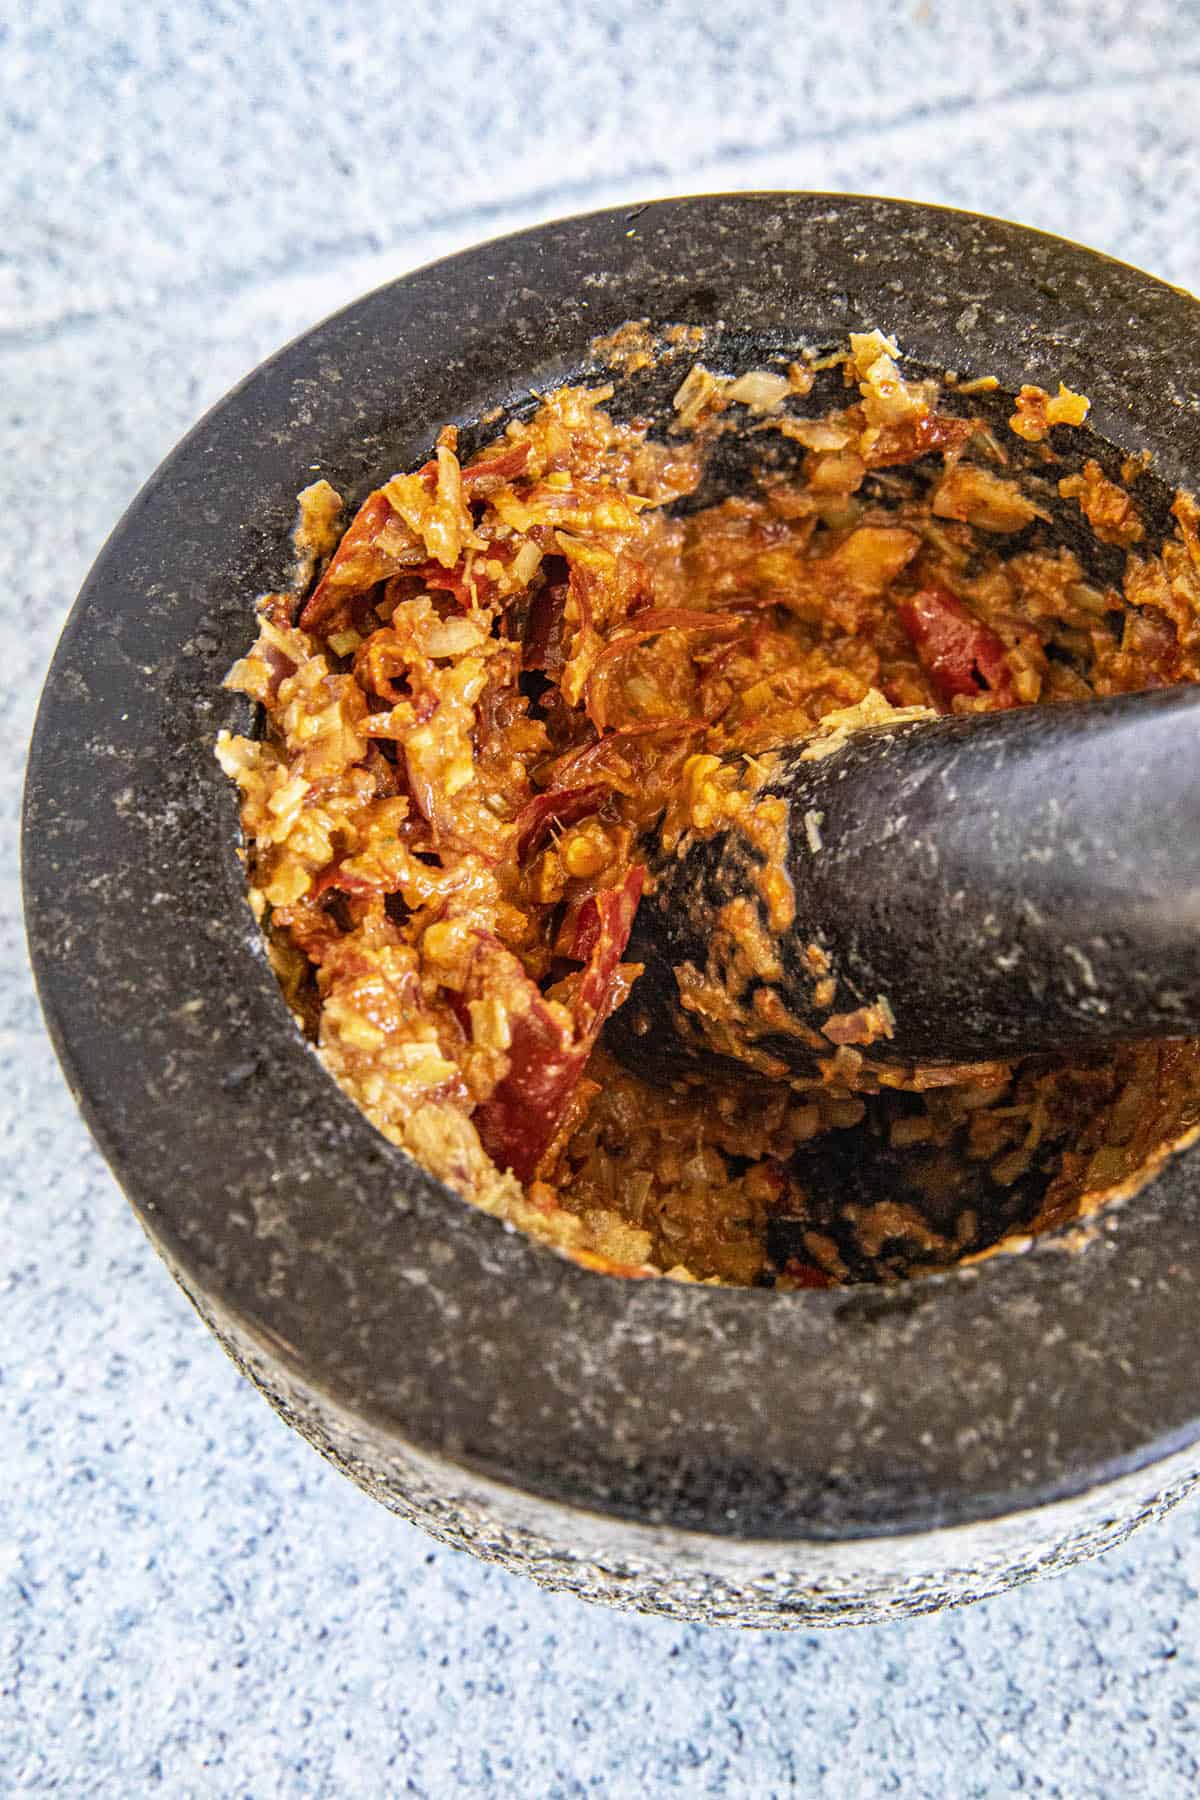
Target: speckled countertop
x: 190, y: 1601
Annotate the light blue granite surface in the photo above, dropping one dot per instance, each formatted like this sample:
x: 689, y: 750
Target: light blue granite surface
x: 191, y: 1602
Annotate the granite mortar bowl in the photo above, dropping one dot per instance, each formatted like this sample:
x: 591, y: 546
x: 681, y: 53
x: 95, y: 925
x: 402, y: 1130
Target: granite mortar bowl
x: 724, y: 1455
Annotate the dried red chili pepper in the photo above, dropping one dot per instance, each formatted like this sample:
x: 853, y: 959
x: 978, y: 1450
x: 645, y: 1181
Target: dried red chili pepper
x: 497, y: 466
x: 545, y: 645
x: 547, y: 1054
x: 607, y: 918
x: 357, y: 563
x: 557, y: 806
x: 959, y: 653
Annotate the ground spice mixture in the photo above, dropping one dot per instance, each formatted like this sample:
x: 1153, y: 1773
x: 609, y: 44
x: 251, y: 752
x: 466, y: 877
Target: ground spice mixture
x: 505, y: 673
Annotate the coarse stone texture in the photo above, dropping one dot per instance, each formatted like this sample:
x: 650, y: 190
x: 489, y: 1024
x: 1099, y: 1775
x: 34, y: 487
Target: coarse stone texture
x: 191, y: 1601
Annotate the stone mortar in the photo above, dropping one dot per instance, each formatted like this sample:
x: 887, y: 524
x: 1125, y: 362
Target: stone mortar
x: 736, y: 1456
